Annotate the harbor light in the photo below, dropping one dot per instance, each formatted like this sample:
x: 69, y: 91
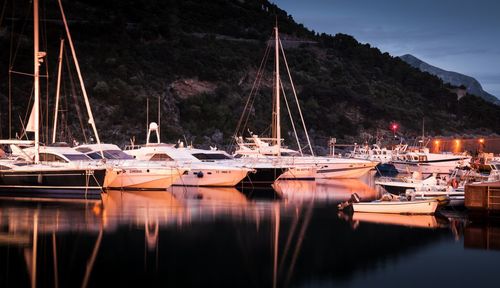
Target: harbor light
x: 481, y: 140
x: 394, y: 127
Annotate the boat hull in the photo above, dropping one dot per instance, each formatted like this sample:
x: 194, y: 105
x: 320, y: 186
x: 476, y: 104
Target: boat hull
x: 212, y: 177
x: 425, y: 168
x: 344, y: 171
x: 397, y: 207
x: 144, y: 179
x: 73, y: 183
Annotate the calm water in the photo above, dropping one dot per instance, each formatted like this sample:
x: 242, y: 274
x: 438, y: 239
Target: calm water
x: 223, y: 238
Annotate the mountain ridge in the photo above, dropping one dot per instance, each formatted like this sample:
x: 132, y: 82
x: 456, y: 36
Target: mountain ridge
x: 454, y: 78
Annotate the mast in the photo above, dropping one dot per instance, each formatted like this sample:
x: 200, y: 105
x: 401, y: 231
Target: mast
x: 277, y: 87
x: 36, y: 73
x: 147, y: 116
x: 59, y: 60
x: 159, y: 118
x: 77, y: 66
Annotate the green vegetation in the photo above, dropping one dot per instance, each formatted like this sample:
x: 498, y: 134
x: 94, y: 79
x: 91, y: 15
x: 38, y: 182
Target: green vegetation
x: 132, y: 50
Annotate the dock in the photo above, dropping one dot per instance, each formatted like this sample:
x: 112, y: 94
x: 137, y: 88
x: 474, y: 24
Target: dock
x: 483, y: 196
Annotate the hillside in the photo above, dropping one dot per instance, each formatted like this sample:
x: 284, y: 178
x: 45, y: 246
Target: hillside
x: 201, y: 57
x: 456, y: 79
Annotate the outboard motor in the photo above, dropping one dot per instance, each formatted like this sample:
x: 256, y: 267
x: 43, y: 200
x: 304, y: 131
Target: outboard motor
x: 410, y: 194
x: 355, y: 198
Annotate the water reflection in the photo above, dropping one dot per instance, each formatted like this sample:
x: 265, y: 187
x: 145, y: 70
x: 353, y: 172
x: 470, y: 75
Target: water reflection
x: 417, y: 221
x: 334, y: 191
x: 221, y: 237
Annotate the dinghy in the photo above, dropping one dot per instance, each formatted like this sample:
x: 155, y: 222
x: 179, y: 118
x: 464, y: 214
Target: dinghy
x: 393, y: 204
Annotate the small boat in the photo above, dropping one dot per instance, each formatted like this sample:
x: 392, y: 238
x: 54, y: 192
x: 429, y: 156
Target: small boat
x: 428, y: 163
x: 397, y: 207
x: 392, y: 204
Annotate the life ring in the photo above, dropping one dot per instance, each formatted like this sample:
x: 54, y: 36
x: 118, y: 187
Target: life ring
x: 454, y: 183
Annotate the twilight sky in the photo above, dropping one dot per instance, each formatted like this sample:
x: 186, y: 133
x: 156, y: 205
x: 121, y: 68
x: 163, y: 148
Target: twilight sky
x: 456, y: 35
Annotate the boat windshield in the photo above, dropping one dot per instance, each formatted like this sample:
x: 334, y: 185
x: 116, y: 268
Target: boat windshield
x: 117, y: 154
x: 77, y: 157
x: 111, y: 155
x: 211, y: 156
x: 2, y: 167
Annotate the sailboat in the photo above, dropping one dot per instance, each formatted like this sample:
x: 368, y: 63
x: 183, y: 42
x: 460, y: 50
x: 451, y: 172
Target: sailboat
x: 35, y: 178
x: 271, y: 150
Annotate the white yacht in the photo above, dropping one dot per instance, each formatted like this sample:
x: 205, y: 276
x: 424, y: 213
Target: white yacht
x: 201, y: 174
x: 423, y: 161
x: 323, y: 167
x: 128, y: 173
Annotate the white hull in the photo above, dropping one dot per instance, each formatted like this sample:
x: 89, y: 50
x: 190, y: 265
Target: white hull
x: 397, y: 207
x: 212, y: 177
x: 442, y: 168
x: 326, y: 167
x: 149, y: 179
x: 299, y: 173
x: 343, y: 171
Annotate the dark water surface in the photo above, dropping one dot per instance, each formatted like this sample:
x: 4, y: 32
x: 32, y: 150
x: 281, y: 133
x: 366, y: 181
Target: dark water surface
x: 206, y: 237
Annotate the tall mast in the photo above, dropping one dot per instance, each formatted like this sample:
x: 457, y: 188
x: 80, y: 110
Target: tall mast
x: 277, y: 87
x: 77, y: 66
x: 36, y: 74
x: 58, y: 89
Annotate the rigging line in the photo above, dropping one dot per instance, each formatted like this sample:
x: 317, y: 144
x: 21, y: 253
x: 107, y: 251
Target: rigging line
x: 251, y: 95
x: 291, y: 118
x: 2, y: 14
x: 16, y: 50
x: 73, y: 94
x: 25, y: 74
x: 250, y: 99
x: 258, y: 84
x: 296, y: 99
x: 26, y: 113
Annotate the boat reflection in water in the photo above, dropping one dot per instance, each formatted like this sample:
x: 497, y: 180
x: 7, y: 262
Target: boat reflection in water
x: 216, y: 237
x: 416, y: 221
x: 330, y: 191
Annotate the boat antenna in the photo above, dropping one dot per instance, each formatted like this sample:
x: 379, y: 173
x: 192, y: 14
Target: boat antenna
x: 147, y: 115
x: 159, y: 118
x: 423, y: 131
